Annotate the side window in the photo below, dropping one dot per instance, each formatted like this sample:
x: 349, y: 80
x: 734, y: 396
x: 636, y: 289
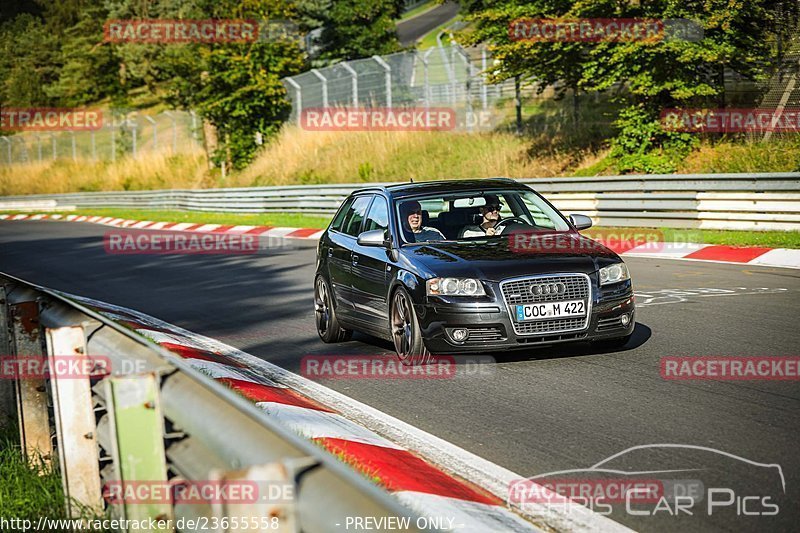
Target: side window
x: 336, y: 224
x: 378, y: 217
x: 537, y: 216
x: 355, y: 216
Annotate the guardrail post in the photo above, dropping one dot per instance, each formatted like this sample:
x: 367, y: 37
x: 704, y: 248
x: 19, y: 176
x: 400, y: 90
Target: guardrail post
x: 137, y: 443
x: 34, y: 421
x: 75, y: 424
x: 7, y: 392
x: 276, y: 493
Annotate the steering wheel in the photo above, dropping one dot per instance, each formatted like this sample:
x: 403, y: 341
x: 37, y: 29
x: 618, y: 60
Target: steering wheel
x: 507, y: 221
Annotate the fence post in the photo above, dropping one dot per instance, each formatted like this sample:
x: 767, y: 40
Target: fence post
x: 388, y: 69
x: 23, y: 147
x: 113, y: 140
x: 426, y: 86
x: 55, y: 145
x: 74, y: 148
x: 76, y: 430
x: 518, y: 103
x: 194, y: 125
x: 174, y: 131
x: 133, y: 138
x: 94, y: 148
x: 8, y: 146
x: 299, y: 99
x: 324, y: 81
x: 39, y: 146
x: 354, y: 77
x: 155, y: 131
x: 469, y: 115
x: 34, y: 422
x: 7, y: 387
x: 484, y: 91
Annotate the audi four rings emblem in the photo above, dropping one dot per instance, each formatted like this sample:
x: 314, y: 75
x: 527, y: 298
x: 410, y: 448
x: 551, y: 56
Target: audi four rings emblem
x: 548, y: 288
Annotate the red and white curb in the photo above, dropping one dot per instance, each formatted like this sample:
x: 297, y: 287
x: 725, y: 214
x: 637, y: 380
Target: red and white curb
x: 742, y: 255
x: 431, y: 476
x: 265, y: 231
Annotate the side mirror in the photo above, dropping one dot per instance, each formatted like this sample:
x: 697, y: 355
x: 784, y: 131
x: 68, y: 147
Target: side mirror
x: 376, y: 237
x: 580, y: 221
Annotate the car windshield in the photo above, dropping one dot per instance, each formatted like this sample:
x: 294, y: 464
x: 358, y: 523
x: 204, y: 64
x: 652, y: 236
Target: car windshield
x: 475, y: 214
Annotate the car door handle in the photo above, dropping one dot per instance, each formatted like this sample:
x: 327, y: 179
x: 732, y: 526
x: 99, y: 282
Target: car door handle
x: 355, y: 259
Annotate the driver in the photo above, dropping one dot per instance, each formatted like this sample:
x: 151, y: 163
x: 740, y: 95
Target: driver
x: 413, y: 214
x: 490, y: 213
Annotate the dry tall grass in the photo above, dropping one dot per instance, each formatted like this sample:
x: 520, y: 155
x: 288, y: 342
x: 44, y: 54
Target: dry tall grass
x: 302, y: 157
x: 150, y: 171
x: 299, y: 156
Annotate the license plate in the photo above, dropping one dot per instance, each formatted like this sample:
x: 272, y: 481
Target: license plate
x: 544, y: 310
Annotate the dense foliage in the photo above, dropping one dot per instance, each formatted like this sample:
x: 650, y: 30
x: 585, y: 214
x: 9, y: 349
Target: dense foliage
x: 656, y: 74
x: 54, y: 53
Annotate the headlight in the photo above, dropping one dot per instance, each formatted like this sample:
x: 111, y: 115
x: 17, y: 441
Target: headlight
x: 614, y: 273
x: 455, y: 287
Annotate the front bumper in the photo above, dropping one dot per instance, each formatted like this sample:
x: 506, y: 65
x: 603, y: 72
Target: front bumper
x: 491, y: 329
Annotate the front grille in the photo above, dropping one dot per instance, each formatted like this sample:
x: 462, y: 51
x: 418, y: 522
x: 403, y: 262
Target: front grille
x: 518, y: 292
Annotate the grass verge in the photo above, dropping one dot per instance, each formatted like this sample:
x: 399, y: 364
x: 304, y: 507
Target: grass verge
x: 420, y: 9
x: 26, y: 493
x: 769, y: 239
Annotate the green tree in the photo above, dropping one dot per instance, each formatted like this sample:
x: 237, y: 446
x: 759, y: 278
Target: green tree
x: 237, y: 87
x: 354, y: 29
x: 670, y: 72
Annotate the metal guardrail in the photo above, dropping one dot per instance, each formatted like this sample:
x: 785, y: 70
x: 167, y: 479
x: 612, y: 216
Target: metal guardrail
x: 154, y: 418
x: 708, y: 201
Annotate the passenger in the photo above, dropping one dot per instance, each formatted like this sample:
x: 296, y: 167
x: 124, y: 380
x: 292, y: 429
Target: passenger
x: 413, y: 213
x: 490, y: 213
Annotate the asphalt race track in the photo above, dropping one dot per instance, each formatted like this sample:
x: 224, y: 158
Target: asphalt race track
x: 533, y: 412
x: 415, y: 28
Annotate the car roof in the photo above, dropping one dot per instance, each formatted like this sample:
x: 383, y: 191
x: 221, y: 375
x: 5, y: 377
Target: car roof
x: 400, y: 190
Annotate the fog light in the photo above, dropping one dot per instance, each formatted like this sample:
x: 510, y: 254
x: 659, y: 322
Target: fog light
x: 625, y: 319
x: 460, y: 334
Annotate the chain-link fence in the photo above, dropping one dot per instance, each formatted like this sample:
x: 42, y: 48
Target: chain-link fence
x: 447, y: 75
x: 122, y: 134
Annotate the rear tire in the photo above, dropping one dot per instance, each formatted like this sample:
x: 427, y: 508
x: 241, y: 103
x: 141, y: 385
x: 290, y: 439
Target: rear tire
x: 405, y: 331
x: 328, y: 326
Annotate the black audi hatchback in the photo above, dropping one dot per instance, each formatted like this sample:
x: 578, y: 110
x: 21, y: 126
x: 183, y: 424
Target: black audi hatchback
x: 466, y: 266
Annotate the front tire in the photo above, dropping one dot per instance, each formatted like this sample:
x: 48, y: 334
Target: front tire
x: 328, y: 326
x: 406, y: 332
